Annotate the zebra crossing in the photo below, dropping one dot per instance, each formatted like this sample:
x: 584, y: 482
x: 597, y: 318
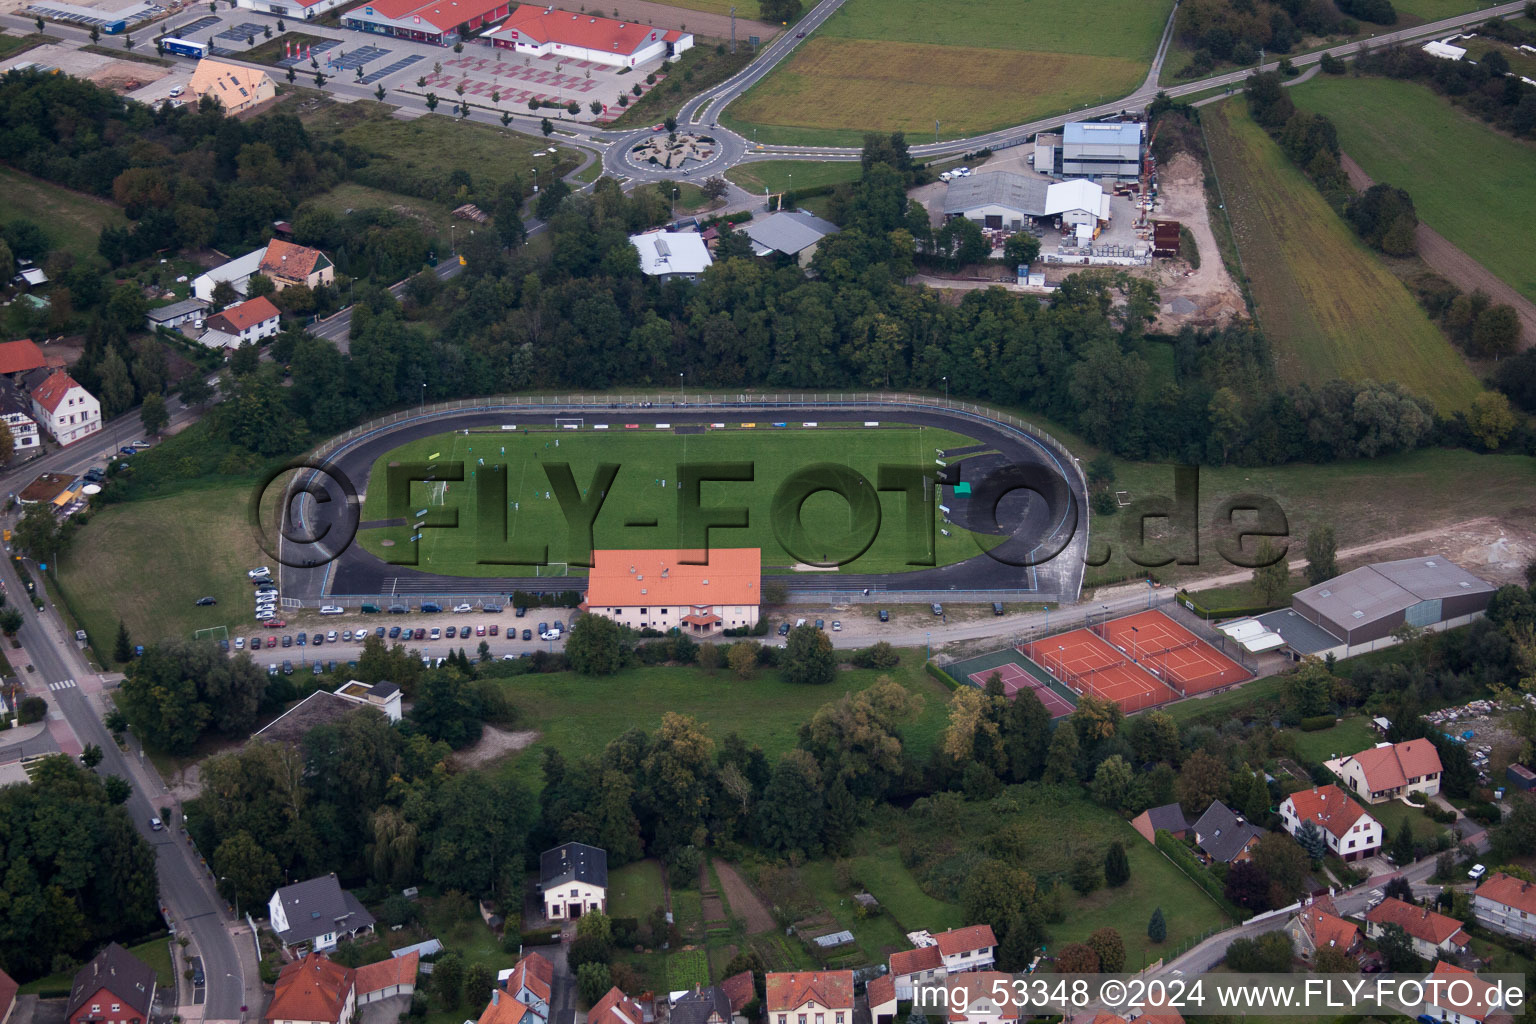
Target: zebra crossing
x: 63, y: 684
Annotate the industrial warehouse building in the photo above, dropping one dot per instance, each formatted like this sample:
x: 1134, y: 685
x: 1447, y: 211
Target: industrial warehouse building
x: 1002, y: 200
x: 530, y: 29
x: 1089, y: 149
x: 1358, y: 611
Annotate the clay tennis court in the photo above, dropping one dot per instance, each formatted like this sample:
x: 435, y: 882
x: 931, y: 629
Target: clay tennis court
x: 1015, y: 679
x: 1172, y: 653
x: 1089, y: 664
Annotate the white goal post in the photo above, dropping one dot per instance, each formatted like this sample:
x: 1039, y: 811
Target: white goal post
x: 569, y: 423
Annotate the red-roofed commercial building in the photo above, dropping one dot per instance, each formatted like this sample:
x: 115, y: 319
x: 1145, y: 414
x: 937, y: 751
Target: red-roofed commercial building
x: 436, y: 22
x: 666, y: 589
x: 1349, y: 830
x: 65, y: 409
x: 546, y: 32
x: 809, y: 997
x: 1433, y: 934
x: 1506, y: 904
x: 315, y: 990
x: 1391, y: 770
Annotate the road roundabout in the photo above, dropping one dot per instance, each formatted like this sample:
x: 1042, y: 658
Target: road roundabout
x: 1002, y: 483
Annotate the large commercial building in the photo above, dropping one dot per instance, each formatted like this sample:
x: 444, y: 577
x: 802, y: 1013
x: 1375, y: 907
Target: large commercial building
x: 1093, y: 150
x: 545, y: 32
x: 1368, y: 603
x: 1002, y: 200
x: 665, y: 590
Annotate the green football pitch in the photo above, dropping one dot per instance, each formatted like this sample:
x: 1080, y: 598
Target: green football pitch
x: 511, y: 470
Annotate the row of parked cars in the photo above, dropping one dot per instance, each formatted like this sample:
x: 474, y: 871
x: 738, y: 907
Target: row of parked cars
x: 265, y: 594
x: 546, y: 631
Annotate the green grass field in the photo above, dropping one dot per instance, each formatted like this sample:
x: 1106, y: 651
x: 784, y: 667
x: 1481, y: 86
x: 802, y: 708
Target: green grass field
x: 973, y: 65
x: 11, y: 45
x: 764, y: 709
x: 1457, y: 169
x: 1349, y: 736
x: 635, y: 890
x: 147, y: 562
x: 782, y: 175
x: 1328, y: 305
x: 419, y: 150
x: 647, y: 458
x: 349, y: 195
x: 72, y: 221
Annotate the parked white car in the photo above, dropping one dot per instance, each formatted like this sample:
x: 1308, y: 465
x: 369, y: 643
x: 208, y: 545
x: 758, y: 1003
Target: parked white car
x: 260, y: 571
x: 1477, y: 872
x: 462, y: 608
x: 332, y: 609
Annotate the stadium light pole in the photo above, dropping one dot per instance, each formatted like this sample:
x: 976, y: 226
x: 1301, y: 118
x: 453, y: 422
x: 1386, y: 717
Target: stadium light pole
x: 1134, y: 630
x: 946, y: 389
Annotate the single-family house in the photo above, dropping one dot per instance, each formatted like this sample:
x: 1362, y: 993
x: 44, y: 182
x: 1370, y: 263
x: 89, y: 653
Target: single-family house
x: 574, y: 880
x: 1349, y: 831
x: 317, y: 914
x: 1317, y: 925
x: 672, y: 255
x: 1169, y: 817
x: 1390, y: 770
x: 881, y: 995
x: 706, y: 1005
x: 916, y: 968
x: 1458, y: 996
x: 16, y: 411
x: 246, y: 323
x: 176, y: 313
x: 1434, y: 935
x: 967, y: 949
x: 1506, y: 904
x: 793, y: 233
x: 116, y: 987
x: 982, y: 997
x: 8, y: 990
x: 289, y: 265
x: 395, y: 976
x: 809, y: 997
x: 65, y: 409
x: 235, y: 87
x: 1223, y: 835
x: 529, y: 982
x: 314, y: 990
x: 616, y: 1008
x: 740, y: 989
x: 236, y: 273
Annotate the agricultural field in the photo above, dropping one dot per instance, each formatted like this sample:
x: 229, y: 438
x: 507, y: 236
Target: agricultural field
x: 73, y: 221
x: 642, y: 509
x: 415, y: 151
x: 1457, y: 169
x: 973, y: 66
x: 1328, y: 305
x: 765, y: 709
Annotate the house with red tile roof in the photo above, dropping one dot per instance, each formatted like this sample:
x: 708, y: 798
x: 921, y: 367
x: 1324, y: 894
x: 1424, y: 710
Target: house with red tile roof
x: 967, y: 949
x: 116, y: 987
x: 1391, y: 770
x: 1456, y: 995
x: 393, y: 977
x: 881, y: 994
x: 314, y: 990
x: 1434, y: 935
x: 981, y: 997
x: 8, y: 990
x: 915, y: 968
x: 529, y: 983
x: 701, y: 593
x: 503, y: 1009
x: 21, y: 356
x: 809, y: 997
x: 1319, y: 926
x: 64, y: 409
x: 1506, y: 904
x: 539, y: 31
x: 247, y: 322
x: 740, y: 989
x: 289, y: 265
x: 616, y: 1008
x: 1349, y: 831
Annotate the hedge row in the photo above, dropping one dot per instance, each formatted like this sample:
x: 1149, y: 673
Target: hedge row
x: 942, y: 676
x: 1185, y: 861
x: 1236, y: 611
x: 739, y: 217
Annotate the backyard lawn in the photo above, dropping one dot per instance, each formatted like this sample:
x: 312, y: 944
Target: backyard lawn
x: 635, y: 890
x: 73, y: 221
x: 1349, y: 736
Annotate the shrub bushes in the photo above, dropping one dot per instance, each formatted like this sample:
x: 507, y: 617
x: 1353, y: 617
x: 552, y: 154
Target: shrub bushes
x: 1484, y: 813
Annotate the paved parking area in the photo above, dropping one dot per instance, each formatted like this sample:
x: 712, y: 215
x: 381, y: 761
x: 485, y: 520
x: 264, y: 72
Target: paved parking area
x: 242, y: 31
x: 205, y: 22
x: 350, y: 59
x: 399, y: 65
x: 545, y: 78
x: 321, y: 47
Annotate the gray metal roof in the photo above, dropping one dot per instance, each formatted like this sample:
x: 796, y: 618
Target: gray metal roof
x: 1222, y: 834
x: 573, y: 862
x: 160, y: 314
x: 1299, y: 634
x: 790, y: 232
x: 1019, y: 192
x: 1094, y: 133
x: 318, y: 906
x: 1374, y: 591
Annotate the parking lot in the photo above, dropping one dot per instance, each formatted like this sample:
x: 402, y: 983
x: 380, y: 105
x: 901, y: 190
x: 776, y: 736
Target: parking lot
x: 318, y: 649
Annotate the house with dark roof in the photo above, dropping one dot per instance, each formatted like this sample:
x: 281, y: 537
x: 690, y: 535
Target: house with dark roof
x: 791, y: 233
x: 176, y: 313
x: 314, y: 990
x: 574, y: 880
x: 1169, y: 817
x: 16, y: 411
x: 709, y: 1005
x: 317, y: 914
x: 116, y: 987
x: 1223, y: 835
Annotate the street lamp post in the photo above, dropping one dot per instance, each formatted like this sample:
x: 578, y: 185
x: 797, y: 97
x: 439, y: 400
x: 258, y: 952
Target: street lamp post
x: 225, y: 878
x: 679, y: 386
x: 946, y: 389
x: 423, y: 395
x: 535, y: 171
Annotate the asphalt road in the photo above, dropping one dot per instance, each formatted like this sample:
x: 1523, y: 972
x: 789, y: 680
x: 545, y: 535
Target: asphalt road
x: 185, y: 889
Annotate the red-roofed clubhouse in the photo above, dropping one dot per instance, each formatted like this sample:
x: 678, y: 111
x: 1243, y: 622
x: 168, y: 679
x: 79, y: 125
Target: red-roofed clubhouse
x: 530, y: 29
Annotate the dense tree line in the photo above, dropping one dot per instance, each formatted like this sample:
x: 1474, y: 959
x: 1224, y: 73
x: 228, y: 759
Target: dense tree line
x: 1234, y: 31
x: 77, y: 872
